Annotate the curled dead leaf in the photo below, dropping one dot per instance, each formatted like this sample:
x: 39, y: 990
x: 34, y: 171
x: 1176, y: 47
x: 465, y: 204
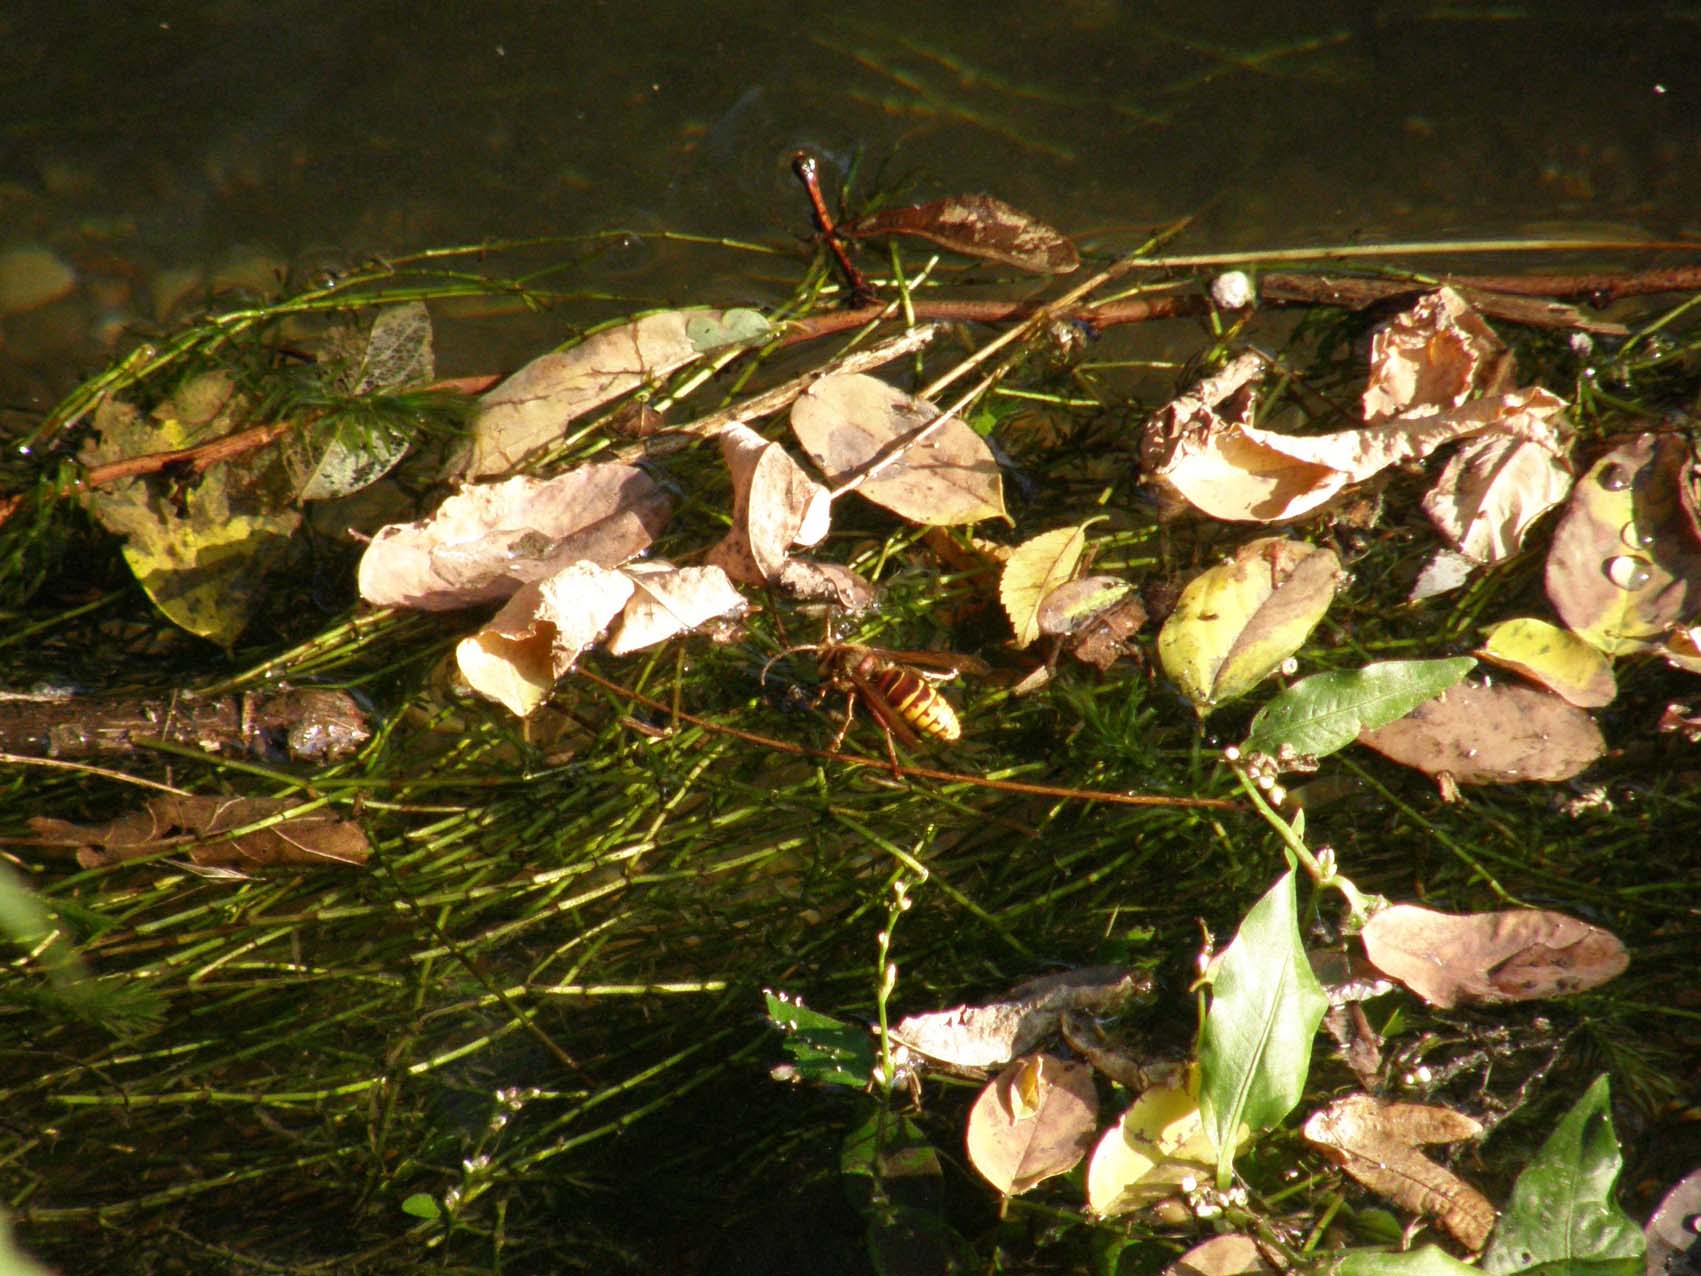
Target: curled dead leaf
x: 1496, y: 485
x: 1520, y: 955
x: 1434, y: 355
x: 1033, y: 1121
x: 1376, y: 1143
x: 775, y: 506
x: 488, y: 539
x: 990, y: 1035
x: 668, y: 600
x: 539, y: 633
x: 975, y: 226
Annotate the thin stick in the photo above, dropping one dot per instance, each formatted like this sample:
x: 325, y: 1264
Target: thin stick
x: 916, y: 772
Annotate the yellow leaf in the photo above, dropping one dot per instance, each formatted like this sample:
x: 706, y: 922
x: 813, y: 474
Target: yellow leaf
x: 1035, y: 568
x: 1235, y: 624
x: 1559, y: 660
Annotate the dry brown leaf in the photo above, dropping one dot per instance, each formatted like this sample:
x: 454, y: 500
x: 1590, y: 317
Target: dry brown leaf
x: 990, y: 1035
x: 949, y: 477
x: 488, y: 539
x: 1522, y: 955
x: 314, y: 840
x: 975, y: 226
x: 1492, y: 734
x: 1433, y: 356
x: 668, y: 600
x: 536, y: 637
x: 1202, y: 447
x: 1033, y: 1121
x: 775, y: 505
x: 532, y: 408
x: 1495, y: 486
x: 1376, y: 1143
x: 1228, y: 1255
x: 1624, y: 565
x: 810, y: 581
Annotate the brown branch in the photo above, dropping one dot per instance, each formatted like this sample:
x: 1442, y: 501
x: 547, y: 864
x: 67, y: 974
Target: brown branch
x: 916, y: 772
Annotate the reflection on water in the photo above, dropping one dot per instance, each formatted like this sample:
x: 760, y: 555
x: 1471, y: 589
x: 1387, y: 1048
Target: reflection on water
x: 153, y: 158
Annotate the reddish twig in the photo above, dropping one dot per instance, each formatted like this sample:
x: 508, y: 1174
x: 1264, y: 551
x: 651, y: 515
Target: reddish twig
x: 803, y: 164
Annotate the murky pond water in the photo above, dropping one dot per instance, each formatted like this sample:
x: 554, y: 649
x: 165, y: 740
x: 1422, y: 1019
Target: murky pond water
x: 156, y: 151
x: 153, y: 154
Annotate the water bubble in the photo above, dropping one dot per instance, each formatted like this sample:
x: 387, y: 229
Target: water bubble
x: 1627, y: 571
x: 1636, y: 537
x: 1614, y: 477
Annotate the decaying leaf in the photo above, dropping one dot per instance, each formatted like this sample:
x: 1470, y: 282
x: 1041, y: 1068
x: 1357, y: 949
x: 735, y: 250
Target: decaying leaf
x: 1522, y: 955
x: 1445, y: 571
x: 1377, y: 1144
x: 1434, y: 355
x: 1235, y: 624
x: 202, y: 554
x: 540, y: 632
x: 1674, y: 1240
x: 1097, y: 616
x: 1494, y: 487
x: 1204, y: 448
x: 488, y: 539
x: 1625, y: 564
x: 1232, y: 1254
x: 991, y: 1035
x: 1075, y: 604
x: 532, y: 408
x: 668, y: 600
x: 1502, y: 733
x: 1033, y: 1121
x: 1158, y: 1144
x: 811, y: 581
x: 775, y: 505
x: 1555, y: 658
x: 397, y: 352
x: 1034, y: 570
x: 314, y: 840
x: 844, y: 422
x: 1682, y: 648
x: 975, y: 226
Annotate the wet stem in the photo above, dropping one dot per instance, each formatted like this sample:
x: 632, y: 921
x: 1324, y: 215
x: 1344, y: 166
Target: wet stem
x: 1321, y: 867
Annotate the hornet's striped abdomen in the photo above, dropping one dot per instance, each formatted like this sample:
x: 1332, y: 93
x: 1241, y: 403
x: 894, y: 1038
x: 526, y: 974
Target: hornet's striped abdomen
x: 910, y: 696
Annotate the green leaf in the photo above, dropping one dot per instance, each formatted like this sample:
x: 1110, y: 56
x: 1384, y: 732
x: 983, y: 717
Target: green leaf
x: 422, y: 1205
x: 1562, y: 1213
x: 824, y: 1050
x: 1430, y: 1260
x: 1325, y: 712
x: 1265, y: 1008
